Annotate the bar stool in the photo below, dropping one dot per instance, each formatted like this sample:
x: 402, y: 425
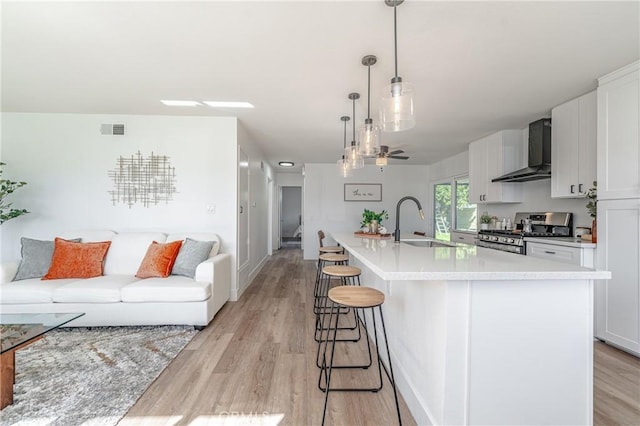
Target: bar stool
x: 347, y: 276
x: 328, y: 249
x: 355, y: 298
x: 323, y: 259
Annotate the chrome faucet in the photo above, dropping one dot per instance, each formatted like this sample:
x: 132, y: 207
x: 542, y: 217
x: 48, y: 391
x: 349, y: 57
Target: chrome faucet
x: 396, y: 233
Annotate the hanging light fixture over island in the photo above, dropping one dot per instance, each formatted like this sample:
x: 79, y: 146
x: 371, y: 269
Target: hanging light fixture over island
x: 396, y: 112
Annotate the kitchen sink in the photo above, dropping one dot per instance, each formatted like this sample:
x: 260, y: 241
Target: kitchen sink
x: 427, y: 243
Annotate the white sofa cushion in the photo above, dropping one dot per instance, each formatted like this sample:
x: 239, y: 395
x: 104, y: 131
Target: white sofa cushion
x: 89, y: 236
x: 200, y: 236
x: 171, y: 289
x: 32, y: 290
x: 127, y: 251
x: 104, y: 289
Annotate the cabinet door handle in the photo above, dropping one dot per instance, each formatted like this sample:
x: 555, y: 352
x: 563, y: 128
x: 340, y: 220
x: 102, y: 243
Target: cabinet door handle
x: 580, y: 188
x: 461, y: 238
x: 550, y: 252
x: 573, y: 189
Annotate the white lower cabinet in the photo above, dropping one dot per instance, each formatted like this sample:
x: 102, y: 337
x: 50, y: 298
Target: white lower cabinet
x: 574, y: 255
x: 618, y: 299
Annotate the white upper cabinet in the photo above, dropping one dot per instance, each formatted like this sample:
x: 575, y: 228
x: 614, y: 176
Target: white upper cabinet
x: 618, y: 144
x: 491, y: 157
x: 573, y: 147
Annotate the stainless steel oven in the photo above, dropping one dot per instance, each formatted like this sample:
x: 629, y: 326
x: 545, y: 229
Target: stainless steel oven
x: 542, y: 224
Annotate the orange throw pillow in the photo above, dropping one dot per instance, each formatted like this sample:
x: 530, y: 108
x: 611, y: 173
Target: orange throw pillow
x: 159, y: 260
x: 76, y: 260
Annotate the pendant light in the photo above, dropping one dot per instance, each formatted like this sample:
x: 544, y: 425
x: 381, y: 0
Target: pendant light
x: 369, y: 134
x: 343, y: 164
x: 396, y: 112
x: 352, y: 153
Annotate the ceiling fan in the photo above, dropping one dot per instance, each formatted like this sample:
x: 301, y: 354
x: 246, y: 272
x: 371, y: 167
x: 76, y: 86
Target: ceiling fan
x: 384, y: 154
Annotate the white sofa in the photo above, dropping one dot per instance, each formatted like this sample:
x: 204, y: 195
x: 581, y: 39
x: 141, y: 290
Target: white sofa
x: 118, y: 298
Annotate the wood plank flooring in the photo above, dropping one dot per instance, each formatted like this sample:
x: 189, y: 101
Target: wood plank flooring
x: 255, y: 364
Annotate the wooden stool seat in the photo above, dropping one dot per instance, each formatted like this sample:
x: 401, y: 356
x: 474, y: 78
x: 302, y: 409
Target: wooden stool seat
x: 334, y: 257
x: 341, y: 271
x: 331, y: 249
x: 356, y: 297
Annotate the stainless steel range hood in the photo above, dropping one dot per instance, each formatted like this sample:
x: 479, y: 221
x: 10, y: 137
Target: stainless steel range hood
x: 539, y: 155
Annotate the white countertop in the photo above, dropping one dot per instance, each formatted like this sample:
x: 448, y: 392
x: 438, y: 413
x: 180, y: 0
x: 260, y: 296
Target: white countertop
x: 462, y: 262
x: 562, y: 241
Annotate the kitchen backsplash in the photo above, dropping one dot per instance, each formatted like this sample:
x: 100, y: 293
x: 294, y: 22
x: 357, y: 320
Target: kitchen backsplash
x: 537, y: 198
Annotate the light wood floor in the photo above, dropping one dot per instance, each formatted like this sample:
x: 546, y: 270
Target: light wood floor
x: 255, y: 364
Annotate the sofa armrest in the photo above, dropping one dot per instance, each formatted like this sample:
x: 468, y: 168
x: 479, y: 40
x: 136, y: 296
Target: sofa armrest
x: 217, y: 270
x: 8, y: 270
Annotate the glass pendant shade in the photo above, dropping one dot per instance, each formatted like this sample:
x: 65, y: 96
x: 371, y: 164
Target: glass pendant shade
x: 369, y: 137
x: 343, y: 167
x: 396, y: 112
x: 353, y: 157
x: 381, y: 161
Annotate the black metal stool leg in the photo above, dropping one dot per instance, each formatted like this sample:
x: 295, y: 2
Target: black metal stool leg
x: 392, y: 378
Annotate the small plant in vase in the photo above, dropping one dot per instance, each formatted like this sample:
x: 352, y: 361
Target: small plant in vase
x: 485, y: 220
x: 592, y: 208
x: 372, y: 220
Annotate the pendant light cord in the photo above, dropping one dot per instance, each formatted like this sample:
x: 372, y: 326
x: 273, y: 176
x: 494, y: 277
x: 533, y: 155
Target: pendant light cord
x: 354, y: 122
x: 345, y: 135
x: 395, y: 35
x: 368, y: 91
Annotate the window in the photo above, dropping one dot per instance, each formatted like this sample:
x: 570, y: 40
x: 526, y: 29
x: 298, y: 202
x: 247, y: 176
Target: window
x: 452, y: 209
x: 465, y: 211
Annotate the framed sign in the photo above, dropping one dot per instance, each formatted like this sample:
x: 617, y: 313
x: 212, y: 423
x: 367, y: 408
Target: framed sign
x: 363, y: 192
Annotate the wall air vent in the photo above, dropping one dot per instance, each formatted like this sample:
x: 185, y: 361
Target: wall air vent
x: 112, y: 129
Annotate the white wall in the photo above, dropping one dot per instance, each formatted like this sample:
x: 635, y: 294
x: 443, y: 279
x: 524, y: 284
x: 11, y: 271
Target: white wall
x: 259, y: 174
x: 66, y: 161
x: 325, y: 208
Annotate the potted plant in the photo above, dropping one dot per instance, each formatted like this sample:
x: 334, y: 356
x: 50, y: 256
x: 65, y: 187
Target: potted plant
x: 592, y: 208
x: 372, y: 220
x: 7, y: 187
x: 485, y: 220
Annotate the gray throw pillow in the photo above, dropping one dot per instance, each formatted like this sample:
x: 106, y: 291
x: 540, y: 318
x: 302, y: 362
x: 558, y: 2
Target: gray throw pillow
x: 36, y: 258
x: 192, y: 253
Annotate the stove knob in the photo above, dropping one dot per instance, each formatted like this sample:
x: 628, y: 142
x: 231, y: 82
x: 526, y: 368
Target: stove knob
x: 511, y: 240
x: 494, y: 238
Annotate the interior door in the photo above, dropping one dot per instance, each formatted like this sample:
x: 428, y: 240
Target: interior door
x: 290, y: 216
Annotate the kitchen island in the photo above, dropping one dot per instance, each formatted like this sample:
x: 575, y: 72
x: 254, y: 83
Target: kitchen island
x: 480, y: 336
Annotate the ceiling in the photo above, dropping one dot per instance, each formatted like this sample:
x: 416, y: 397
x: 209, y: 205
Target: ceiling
x: 477, y: 67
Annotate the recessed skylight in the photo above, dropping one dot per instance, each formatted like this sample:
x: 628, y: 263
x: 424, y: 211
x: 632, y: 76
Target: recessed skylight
x: 286, y: 163
x: 221, y: 104
x: 181, y: 103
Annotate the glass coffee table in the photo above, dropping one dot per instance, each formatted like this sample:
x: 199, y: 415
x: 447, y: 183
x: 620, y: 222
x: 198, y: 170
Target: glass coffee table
x: 16, y: 332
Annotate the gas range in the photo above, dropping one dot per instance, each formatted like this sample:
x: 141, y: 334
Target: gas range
x: 549, y: 224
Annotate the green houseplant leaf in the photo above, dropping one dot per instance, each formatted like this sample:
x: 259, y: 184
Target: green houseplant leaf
x: 7, y: 187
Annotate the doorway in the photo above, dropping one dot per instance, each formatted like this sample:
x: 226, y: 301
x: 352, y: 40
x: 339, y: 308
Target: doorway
x: 290, y: 216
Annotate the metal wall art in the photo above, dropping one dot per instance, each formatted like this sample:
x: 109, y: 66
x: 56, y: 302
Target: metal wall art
x: 146, y: 180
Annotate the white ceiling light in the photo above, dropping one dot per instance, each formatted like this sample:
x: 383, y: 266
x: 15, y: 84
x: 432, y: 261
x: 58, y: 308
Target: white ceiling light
x: 286, y: 164
x: 396, y: 112
x: 222, y: 104
x: 369, y: 134
x: 181, y: 103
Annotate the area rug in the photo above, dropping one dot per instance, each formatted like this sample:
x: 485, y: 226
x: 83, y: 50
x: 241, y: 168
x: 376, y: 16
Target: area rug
x: 89, y: 376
